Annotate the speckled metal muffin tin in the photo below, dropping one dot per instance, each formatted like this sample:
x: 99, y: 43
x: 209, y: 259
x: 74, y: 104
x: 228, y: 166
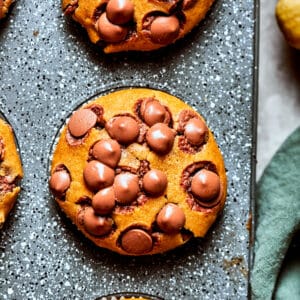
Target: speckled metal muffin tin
x: 47, y: 68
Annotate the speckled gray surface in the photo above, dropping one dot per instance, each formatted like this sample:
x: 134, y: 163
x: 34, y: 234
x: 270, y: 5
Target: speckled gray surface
x: 47, y: 68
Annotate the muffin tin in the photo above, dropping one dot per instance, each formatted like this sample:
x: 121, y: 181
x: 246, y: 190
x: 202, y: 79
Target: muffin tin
x: 48, y: 67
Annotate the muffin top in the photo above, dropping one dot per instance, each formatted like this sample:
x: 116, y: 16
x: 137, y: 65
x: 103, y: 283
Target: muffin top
x: 143, y: 25
x: 139, y: 172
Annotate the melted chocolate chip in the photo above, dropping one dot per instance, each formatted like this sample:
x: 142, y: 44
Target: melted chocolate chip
x: 155, y: 182
x: 95, y: 224
x: 160, y: 138
x: 110, y: 32
x: 107, y: 151
x: 104, y: 201
x: 59, y: 182
x: 124, y: 129
x: 171, y: 218
x: 81, y: 122
x: 205, y: 185
x: 152, y: 111
x: 188, y: 175
x: 136, y: 241
x: 126, y: 187
x: 184, y: 116
x: 99, y: 111
x: 195, y: 131
x: 97, y: 175
x: 119, y: 11
x: 164, y: 29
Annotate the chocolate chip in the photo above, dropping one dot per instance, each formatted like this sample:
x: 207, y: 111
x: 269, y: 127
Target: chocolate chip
x: 184, y: 116
x: 110, y: 32
x: 136, y: 241
x: 124, y: 129
x: 97, y: 175
x: 95, y: 224
x: 59, y: 182
x: 164, y: 29
x: 160, y: 138
x: 119, y: 11
x: 126, y: 187
x: 196, y: 131
x: 155, y: 182
x: 81, y: 122
x: 205, y: 185
x: 99, y: 111
x: 107, y: 151
x: 171, y: 218
x: 152, y: 111
x: 104, y: 201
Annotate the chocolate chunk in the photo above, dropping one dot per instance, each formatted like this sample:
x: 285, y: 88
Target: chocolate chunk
x: 108, y: 152
x: 205, y: 185
x: 152, y: 111
x: 126, y: 186
x: 81, y: 122
x: 155, y: 182
x: 97, y: 175
x: 124, y: 129
x: 110, y: 32
x: 95, y: 224
x: 136, y: 241
x: 164, y: 29
x: 119, y: 11
x: 104, y: 201
x: 196, y: 131
x: 160, y: 138
x: 171, y: 218
x: 59, y: 182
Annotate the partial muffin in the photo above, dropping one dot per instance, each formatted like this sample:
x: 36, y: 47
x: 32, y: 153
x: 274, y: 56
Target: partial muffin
x: 143, y: 25
x: 10, y: 171
x: 4, y: 6
x: 139, y: 172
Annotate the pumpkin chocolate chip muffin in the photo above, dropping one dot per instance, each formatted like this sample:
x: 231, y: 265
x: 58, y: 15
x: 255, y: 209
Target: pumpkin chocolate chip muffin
x: 4, y: 6
x: 122, y: 25
x: 10, y: 171
x: 139, y: 172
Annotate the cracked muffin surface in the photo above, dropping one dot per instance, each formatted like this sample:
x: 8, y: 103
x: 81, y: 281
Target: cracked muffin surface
x: 10, y: 171
x: 140, y: 25
x: 138, y: 172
